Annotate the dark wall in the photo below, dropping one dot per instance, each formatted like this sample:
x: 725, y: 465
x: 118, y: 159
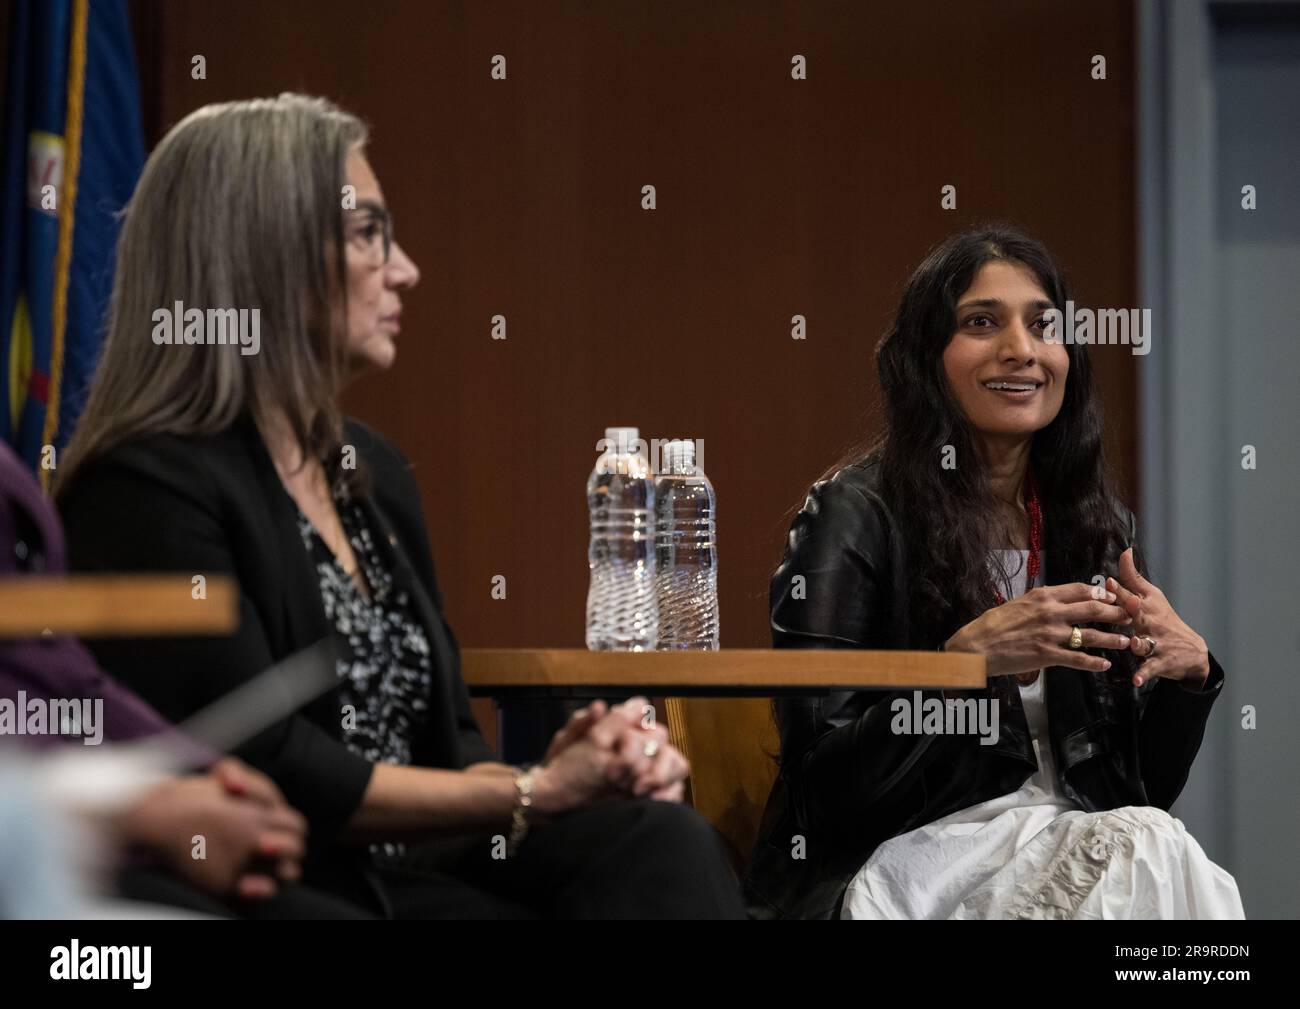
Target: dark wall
x: 775, y: 197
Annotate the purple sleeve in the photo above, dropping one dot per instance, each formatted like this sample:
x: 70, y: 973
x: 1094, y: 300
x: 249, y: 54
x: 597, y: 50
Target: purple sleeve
x: 61, y: 668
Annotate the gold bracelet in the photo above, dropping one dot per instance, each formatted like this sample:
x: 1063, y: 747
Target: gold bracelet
x: 519, y: 816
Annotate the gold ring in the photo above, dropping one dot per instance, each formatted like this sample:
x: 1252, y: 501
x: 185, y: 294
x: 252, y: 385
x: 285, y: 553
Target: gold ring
x: 1076, y: 638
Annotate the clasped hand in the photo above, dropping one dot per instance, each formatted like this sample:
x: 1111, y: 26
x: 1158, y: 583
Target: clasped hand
x: 1034, y: 630
x: 604, y: 753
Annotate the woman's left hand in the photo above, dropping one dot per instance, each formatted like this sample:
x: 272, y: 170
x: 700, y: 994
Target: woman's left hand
x: 1180, y: 653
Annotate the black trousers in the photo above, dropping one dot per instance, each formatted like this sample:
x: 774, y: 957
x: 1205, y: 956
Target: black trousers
x: 634, y: 859
x: 292, y: 901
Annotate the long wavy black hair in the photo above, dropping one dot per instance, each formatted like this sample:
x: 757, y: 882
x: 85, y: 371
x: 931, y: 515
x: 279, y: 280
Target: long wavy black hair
x: 948, y: 518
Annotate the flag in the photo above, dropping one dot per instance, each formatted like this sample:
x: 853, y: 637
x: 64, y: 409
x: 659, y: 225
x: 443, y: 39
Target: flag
x: 73, y: 150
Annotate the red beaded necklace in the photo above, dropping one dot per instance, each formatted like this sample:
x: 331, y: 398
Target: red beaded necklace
x: 1035, y: 509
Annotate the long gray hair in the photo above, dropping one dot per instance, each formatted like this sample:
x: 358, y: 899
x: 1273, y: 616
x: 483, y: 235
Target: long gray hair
x: 239, y: 206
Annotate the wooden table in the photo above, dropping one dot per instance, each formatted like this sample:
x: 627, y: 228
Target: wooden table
x: 116, y: 605
x: 731, y: 672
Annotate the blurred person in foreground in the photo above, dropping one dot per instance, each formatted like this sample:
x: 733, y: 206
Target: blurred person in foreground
x: 143, y: 820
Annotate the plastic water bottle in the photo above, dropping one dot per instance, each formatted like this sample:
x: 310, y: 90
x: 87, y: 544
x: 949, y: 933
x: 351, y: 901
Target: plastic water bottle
x: 686, y: 552
x: 621, y: 610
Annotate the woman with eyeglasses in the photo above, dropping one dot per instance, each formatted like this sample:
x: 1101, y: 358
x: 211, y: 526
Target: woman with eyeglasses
x: 201, y: 458
x: 982, y: 521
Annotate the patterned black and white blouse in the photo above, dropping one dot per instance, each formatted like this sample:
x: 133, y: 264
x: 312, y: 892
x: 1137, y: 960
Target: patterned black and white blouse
x: 385, y: 666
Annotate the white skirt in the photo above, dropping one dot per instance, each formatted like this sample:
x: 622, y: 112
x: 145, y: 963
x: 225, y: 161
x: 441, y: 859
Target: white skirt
x: 1033, y: 854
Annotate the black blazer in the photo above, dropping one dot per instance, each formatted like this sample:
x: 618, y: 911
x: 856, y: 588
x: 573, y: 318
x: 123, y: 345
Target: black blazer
x: 847, y: 782
x: 215, y: 504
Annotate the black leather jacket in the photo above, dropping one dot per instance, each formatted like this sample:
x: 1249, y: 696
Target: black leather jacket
x: 847, y: 782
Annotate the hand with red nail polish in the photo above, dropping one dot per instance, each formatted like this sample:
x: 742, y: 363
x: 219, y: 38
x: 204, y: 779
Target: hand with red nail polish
x: 229, y: 832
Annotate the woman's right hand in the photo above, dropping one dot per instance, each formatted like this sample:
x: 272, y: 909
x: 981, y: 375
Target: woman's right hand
x: 1033, y: 630
x: 252, y: 839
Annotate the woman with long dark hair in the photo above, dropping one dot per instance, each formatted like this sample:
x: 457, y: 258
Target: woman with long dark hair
x: 982, y: 521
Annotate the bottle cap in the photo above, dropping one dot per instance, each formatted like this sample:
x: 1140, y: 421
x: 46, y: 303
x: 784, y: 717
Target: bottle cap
x: 622, y: 438
x: 679, y: 456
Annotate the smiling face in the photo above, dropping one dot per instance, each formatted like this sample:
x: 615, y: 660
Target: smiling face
x: 1007, y: 379
x: 374, y: 287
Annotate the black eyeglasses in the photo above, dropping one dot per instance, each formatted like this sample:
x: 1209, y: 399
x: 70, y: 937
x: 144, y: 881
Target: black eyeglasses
x: 371, y: 221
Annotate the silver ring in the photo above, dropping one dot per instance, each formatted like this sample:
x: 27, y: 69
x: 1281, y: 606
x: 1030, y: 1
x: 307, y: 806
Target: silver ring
x: 1151, y: 645
x: 651, y: 748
